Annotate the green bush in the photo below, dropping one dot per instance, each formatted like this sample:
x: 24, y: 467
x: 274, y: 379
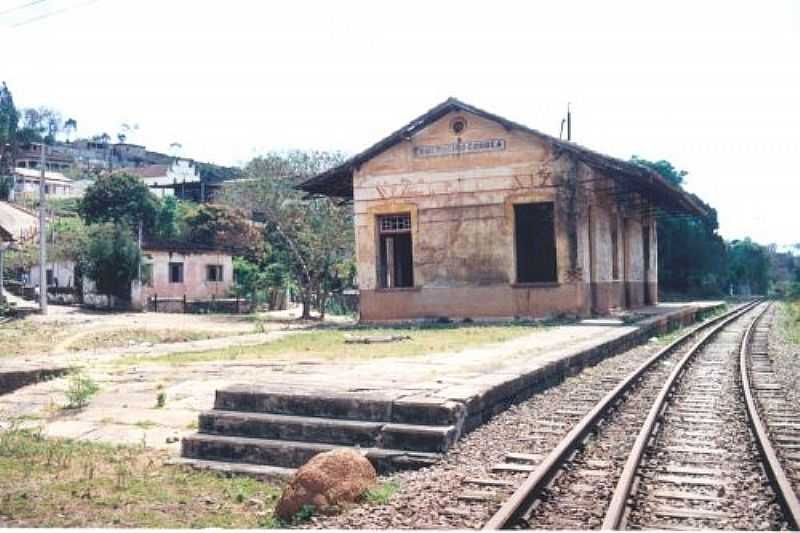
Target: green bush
x: 80, y: 391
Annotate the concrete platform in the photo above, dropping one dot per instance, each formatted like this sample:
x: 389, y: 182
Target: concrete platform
x: 410, y: 408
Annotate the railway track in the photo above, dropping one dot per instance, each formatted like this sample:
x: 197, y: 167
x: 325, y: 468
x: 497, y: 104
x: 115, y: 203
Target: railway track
x: 774, y: 419
x: 574, y: 485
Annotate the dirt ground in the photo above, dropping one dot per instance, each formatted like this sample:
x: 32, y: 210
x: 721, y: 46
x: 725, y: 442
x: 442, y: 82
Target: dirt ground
x: 71, y: 329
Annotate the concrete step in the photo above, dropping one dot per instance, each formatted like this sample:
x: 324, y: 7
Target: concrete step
x: 291, y: 454
x: 328, y: 431
x: 286, y: 427
x: 372, y: 407
x: 301, y: 403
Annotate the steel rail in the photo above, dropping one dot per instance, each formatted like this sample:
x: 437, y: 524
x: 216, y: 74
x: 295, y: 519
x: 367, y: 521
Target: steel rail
x: 517, y: 504
x: 619, y: 501
x: 787, y: 497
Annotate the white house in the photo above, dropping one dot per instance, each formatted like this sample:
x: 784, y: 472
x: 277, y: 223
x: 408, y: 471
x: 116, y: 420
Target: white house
x: 163, y: 178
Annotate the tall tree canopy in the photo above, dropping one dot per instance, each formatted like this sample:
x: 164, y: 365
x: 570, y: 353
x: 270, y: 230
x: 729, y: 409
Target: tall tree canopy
x: 313, y: 237
x: 120, y: 198
x: 9, y: 118
x: 112, y: 259
x: 224, y: 226
x: 748, y: 266
x: 691, y: 255
x: 41, y: 124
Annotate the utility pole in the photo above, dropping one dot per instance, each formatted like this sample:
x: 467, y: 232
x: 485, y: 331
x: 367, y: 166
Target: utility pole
x: 569, y: 123
x: 42, y: 234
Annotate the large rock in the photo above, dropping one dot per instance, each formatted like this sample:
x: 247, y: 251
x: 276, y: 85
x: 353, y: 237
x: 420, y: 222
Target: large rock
x: 327, y: 480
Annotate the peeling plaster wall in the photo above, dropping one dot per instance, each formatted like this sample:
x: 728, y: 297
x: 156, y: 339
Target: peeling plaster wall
x: 462, y: 217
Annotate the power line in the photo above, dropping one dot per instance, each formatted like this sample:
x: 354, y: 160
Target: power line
x: 51, y: 14
x: 23, y: 6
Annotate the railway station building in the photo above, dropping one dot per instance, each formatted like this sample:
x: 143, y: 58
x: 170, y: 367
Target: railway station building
x: 462, y: 213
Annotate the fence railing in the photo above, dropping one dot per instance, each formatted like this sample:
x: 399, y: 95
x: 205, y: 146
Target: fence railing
x: 235, y: 305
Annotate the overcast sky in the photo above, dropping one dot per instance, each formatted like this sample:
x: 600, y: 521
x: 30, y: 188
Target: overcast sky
x: 713, y: 87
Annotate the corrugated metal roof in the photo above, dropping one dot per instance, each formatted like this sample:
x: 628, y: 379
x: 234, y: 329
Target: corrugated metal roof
x: 17, y: 222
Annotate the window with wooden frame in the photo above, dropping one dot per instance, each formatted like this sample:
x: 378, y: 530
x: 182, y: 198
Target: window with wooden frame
x: 395, y: 256
x: 535, y: 242
x: 214, y: 273
x: 176, y: 272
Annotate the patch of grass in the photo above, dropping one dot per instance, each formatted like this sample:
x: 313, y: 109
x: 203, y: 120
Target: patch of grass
x: 161, y: 400
x: 330, y: 343
x: 145, y: 424
x: 790, y: 320
x: 61, y: 483
x: 24, y: 337
x: 125, y: 337
x: 80, y: 390
x: 381, y: 494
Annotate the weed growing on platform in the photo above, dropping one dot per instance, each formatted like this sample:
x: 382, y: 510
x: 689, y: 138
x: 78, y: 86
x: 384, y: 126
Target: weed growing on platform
x: 80, y: 390
x: 161, y: 400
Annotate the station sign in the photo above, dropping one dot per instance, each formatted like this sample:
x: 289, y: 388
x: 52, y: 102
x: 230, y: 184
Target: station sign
x: 458, y: 147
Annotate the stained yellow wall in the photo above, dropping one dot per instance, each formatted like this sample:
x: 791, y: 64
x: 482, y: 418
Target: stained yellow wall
x: 463, y: 226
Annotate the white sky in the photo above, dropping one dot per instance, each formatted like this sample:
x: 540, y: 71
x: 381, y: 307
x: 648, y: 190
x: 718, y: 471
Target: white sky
x: 713, y: 87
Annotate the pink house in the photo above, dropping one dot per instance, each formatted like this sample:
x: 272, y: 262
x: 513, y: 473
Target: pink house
x: 176, y: 270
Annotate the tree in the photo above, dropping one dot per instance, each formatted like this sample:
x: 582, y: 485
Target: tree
x: 112, y: 259
x: 691, y: 255
x: 313, y: 236
x: 70, y: 127
x: 224, y: 226
x: 121, y: 199
x: 294, y: 166
x: 41, y: 124
x: 749, y: 266
x: 167, y: 219
x: 9, y: 118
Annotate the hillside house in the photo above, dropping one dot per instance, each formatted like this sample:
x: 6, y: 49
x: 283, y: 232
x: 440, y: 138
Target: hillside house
x: 169, y: 180
x: 56, y: 184
x: 463, y: 213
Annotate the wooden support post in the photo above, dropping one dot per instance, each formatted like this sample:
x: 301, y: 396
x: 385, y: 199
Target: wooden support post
x: 155, y: 303
x: 184, y: 303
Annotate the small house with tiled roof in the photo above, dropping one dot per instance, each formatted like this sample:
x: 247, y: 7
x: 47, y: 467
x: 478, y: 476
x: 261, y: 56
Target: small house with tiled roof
x: 463, y: 213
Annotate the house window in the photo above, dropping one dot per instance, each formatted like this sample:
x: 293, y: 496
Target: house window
x: 395, y: 262
x: 213, y: 272
x: 176, y: 272
x: 535, y: 240
x: 147, y: 274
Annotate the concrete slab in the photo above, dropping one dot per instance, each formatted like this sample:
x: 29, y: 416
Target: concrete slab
x: 448, y: 388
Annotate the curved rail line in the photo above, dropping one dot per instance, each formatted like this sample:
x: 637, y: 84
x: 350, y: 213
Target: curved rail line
x: 618, y: 506
x: 775, y: 471
x: 616, y: 512
x: 530, y: 490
